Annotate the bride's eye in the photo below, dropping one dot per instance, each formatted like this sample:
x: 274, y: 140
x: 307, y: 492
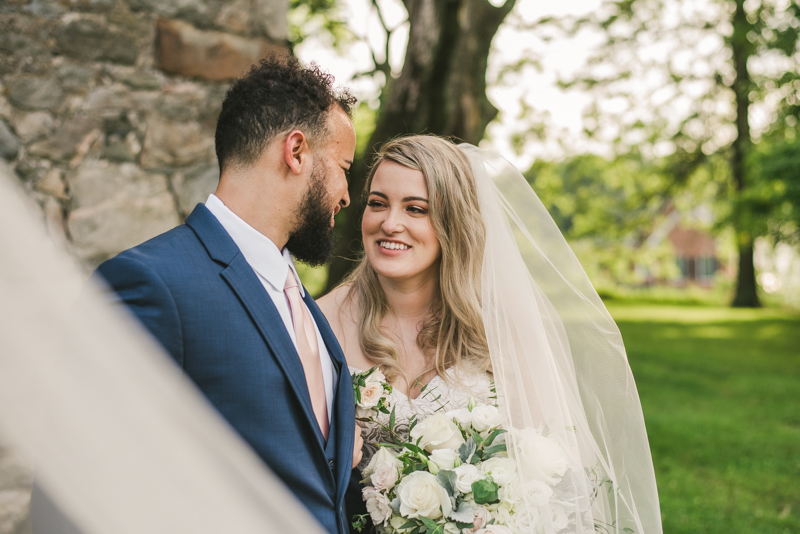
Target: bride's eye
x: 417, y: 210
x: 376, y: 204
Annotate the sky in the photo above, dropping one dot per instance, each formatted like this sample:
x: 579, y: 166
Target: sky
x: 537, y: 88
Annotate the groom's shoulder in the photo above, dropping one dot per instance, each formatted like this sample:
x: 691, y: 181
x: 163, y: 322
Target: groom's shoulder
x: 164, y: 247
x: 174, y: 249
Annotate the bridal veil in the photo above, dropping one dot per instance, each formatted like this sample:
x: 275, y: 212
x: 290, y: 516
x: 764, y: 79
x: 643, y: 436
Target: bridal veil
x: 559, y: 363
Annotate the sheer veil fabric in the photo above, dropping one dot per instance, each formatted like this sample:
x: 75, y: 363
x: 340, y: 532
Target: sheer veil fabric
x: 560, y: 367
x: 118, y: 437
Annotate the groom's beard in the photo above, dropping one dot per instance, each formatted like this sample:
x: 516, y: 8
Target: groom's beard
x: 312, y: 240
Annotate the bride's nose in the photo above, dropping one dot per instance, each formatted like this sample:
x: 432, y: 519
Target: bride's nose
x: 392, y: 224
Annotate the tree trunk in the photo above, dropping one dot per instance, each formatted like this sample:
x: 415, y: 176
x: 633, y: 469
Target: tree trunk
x: 746, y: 294
x: 441, y: 90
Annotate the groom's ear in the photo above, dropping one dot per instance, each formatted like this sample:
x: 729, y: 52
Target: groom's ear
x: 296, y: 151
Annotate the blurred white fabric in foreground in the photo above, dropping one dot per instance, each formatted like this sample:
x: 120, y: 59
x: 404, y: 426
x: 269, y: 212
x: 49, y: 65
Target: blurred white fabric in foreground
x: 118, y: 437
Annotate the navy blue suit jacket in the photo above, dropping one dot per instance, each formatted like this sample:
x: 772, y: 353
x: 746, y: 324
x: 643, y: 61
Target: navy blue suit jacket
x: 193, y: 290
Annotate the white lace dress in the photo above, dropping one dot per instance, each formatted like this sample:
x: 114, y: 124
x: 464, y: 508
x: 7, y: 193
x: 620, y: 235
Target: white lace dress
x: 438, y: 396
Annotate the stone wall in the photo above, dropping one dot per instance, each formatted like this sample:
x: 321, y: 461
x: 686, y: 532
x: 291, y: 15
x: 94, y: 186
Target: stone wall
x: 107, y: 114
x: 108, y: 107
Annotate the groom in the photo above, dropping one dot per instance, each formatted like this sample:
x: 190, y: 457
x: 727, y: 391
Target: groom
x: 222, y: 295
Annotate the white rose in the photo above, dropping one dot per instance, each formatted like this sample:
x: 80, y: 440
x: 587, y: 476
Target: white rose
x: 526, y: 519
x: 510, y: 493
x: 382, y: 456
x: 384, y: 477
x: 377, y: 505
x: 485, y: 417
x: 444, y: 458
x: 535, y: 492
x: 370, y: 395
x: 376, y: 376
x: 500, y: 469
x: 462, y: 415
x: 559, y: 515
x: 494, y: 529
x: 540, y: 458
x: 437, y: 432
x: 451, y: 528
x: 421, y: 495
x: 467, y: 474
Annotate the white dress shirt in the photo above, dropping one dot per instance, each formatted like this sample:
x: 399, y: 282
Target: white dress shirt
x: 272, y: 266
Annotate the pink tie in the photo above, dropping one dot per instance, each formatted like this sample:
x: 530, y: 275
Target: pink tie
x: 308, y: 349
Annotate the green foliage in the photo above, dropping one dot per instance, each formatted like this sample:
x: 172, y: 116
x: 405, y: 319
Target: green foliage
x: 606, y: 210
x: 317, y: 17
x: 719, y: 390
x: 774, y: 198
x: 313, y: 278
x: 485, y: 491
x: 590, y: 196
x: 360, y: 522
x: 364, y: 119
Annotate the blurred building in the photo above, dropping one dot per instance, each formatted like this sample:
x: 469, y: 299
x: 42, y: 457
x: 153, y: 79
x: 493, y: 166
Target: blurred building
x: 694, y: 249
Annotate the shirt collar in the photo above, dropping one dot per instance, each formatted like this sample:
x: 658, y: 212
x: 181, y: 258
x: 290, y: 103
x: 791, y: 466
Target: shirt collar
x: 260, y: 251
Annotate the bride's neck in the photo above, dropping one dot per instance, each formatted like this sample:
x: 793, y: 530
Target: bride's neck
x: 409, y: 299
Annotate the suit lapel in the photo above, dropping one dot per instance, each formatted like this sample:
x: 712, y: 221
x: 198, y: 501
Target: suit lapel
x: 245, y: 283
x: 334, y: 349
x: 343, y: 401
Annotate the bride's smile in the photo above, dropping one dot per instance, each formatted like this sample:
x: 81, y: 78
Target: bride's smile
x: 400, y: 242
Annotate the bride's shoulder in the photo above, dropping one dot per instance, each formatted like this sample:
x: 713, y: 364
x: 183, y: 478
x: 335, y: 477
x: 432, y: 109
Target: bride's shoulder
x: 336, y: 306
x: 341, y: 313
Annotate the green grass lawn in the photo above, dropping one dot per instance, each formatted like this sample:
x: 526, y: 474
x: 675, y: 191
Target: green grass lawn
x: 720, y: 390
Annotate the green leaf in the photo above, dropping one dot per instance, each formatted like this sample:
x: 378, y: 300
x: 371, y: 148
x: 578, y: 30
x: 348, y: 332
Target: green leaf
x: 391, y: 419
x: 448, y: 481
x: 485, y: 492
x: 414, y: 448
x: 494, y: 435
x: 463, y: 515
x: 360, y: 521
x: 494, y: 450
x: 428, y: 522
x: 467, y: 450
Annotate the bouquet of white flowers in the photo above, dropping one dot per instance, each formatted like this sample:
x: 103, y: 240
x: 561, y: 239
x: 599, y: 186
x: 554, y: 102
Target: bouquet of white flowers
x: 453, y: 476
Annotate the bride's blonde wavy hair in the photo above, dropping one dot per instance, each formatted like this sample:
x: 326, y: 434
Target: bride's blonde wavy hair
x: 452, y: 334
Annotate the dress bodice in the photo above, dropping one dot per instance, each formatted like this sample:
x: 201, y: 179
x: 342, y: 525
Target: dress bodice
x: 439, y: 395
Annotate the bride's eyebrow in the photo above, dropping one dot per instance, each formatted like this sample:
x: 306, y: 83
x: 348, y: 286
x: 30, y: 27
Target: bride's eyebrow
x: 405, y: 199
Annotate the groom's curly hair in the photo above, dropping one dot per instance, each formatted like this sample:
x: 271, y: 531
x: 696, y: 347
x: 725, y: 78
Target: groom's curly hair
x: 277, y: 95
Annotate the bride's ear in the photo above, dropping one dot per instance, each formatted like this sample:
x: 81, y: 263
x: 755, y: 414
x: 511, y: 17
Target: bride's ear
x: 296, y: 151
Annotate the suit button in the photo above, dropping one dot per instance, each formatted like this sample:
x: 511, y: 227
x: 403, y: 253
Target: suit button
x: 332, y: 465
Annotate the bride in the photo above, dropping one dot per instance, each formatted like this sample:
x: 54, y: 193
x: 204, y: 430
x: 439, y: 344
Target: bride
x: 468, y: 290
